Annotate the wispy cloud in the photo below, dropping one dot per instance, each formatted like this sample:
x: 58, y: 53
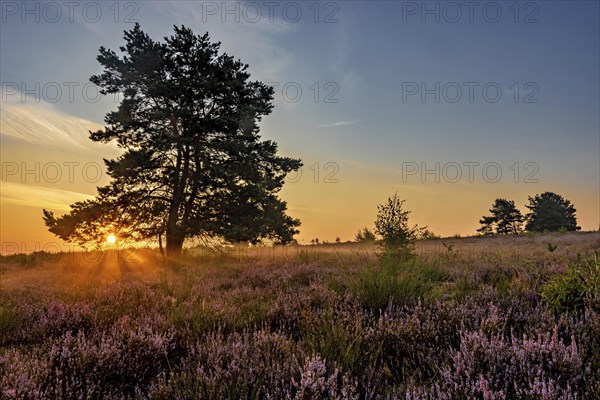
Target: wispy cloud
x: 40, y: 123
x: 338, y: 123
x: 341, y: 57
x: 40, y: 197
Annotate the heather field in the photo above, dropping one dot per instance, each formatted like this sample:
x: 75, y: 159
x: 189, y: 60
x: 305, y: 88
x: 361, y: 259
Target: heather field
x: 485, y: 318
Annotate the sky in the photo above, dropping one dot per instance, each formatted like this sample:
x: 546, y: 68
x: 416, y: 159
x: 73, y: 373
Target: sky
x: 449, y: 104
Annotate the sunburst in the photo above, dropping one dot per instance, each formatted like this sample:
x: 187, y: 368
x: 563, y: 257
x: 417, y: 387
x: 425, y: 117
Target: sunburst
x: 111, y: 238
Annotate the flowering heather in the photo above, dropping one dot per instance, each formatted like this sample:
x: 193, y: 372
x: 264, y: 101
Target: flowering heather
x: 337, y: 325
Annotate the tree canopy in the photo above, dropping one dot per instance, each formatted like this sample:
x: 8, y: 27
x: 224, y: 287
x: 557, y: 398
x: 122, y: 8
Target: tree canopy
x: 505, y: 219
x: 193, y: 162
x: 550, y: 212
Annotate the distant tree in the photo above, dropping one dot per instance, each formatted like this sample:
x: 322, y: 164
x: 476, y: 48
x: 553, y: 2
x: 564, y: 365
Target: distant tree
x: 426, y: 234
x: 551, y: 212
x: 505, y: 219
x: 487, y: 225
x: 337, y: 240
x: 364, y: 235
x: 391, y: 224
x: 193, y: 164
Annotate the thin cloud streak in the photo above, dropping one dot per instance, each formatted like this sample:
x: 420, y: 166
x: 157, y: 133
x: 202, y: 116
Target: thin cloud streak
x: 39, y: 197
x: 41, y: 124
x: 338, y: 123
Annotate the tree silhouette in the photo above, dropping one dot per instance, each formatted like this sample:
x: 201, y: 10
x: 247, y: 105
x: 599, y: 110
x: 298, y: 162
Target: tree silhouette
x: 505, y: 219
x: 364, y: 235
x: 550, y: 212
x: 391, y: 224
x: 194, y: 163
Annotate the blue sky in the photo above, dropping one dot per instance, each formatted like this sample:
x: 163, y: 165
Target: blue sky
x: 365, y: 57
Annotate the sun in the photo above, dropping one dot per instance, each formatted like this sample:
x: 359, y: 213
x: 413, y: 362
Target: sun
x: 111, y: 238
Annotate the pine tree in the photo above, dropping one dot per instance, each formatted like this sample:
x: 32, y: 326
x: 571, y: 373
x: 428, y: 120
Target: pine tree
x: 193, y: 163
x: 505, y: 219
x: 551, y: 212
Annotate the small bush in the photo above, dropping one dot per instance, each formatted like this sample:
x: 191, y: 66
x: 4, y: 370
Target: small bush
x: 568, y: 291
x: 391, y: 224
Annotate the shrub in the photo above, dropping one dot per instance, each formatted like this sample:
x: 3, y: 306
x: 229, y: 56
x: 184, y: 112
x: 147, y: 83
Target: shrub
x: 392, y: 225
x: 568, y: 291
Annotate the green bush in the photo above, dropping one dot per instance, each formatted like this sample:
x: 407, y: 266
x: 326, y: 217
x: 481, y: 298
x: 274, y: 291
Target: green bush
x: 391, y: 224
x: 568, y: 291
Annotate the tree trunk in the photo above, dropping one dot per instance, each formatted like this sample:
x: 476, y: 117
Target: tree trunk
x: 160, y: 246
x: 174, y: 245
